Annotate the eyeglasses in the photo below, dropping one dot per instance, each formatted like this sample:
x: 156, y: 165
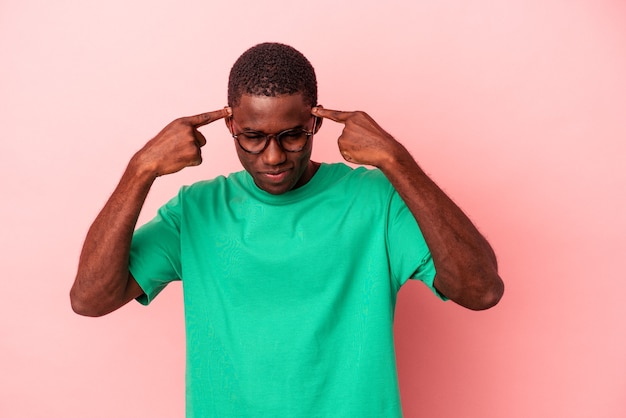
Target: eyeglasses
x: 291, y: 140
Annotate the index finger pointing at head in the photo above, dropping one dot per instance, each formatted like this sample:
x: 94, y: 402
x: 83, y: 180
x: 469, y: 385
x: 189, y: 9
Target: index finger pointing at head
x: 206, y: 118
x: 336, y: 115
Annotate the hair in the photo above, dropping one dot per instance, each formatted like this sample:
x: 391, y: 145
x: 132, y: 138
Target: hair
x: 272, y: 69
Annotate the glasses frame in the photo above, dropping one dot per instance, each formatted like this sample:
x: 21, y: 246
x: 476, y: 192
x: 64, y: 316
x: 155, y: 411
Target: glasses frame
x: 268, y: 137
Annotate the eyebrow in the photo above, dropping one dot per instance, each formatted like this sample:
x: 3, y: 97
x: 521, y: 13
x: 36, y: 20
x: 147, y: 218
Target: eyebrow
x: 250, y: 130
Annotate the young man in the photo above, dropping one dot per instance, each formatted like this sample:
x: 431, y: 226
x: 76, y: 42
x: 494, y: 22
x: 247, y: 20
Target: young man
x: 290, y: 268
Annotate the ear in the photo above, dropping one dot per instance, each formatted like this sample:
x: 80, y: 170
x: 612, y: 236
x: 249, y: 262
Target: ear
x: 228, y: 121
x: 318, y: 121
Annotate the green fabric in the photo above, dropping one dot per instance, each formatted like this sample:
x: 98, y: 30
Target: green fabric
x: 289, y: 299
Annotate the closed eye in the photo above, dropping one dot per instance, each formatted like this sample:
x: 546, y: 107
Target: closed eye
x: 253, y: 135
x: 294, y: 133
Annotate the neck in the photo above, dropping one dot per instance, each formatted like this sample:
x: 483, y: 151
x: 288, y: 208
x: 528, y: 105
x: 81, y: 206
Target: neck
x: 308, y: 174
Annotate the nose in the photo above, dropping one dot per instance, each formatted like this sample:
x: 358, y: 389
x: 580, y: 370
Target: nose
x: 274, y: 154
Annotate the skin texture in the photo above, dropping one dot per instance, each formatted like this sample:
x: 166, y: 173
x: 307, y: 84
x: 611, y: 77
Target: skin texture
x: 465, y: 263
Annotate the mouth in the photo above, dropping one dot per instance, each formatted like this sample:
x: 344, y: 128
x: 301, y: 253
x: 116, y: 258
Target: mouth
x: 275, y: 176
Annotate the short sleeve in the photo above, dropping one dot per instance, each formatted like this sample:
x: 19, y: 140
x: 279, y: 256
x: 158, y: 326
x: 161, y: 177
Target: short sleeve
x: 409, y: 254
x: 155, y: 251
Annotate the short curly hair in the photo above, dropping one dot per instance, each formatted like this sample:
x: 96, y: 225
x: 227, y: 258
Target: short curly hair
x: 272, y: 69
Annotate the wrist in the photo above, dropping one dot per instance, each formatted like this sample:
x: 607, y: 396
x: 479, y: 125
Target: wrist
x: 140, y: 169
x: 395, y: 157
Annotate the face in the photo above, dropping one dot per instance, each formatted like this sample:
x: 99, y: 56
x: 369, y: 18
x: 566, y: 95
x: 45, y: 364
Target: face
x: 274, y: 170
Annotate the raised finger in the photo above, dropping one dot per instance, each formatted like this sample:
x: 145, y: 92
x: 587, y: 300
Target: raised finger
x: 335, y: 115
x: 208, y: 117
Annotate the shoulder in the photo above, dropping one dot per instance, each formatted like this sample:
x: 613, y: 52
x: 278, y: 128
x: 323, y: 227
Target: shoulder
x: 217, y: 184
x: 205, y: 192
x: 359, y: 176
x: 360, y: 185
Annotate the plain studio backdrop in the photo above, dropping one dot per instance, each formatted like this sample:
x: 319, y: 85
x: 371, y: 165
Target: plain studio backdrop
x: 517, y: 109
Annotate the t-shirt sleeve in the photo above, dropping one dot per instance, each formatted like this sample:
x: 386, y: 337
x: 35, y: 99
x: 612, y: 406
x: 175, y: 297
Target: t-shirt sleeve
x: 155, y: 251
x: 409, y: 254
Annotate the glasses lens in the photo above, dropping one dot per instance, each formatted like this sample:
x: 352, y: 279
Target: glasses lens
x: 293, y: 140
x: 252, y: 141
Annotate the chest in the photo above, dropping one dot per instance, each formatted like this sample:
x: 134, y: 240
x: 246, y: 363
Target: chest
x: 290, y: 254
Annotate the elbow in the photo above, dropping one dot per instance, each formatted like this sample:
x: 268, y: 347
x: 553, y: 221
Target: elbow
x: 477, y: 293
x: 83, y: 309
x: 487, y: 295
x: 489, y: 298
x: 82, y: 306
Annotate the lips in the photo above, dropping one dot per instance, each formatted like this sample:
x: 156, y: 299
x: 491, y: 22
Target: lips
x: 275, y: 176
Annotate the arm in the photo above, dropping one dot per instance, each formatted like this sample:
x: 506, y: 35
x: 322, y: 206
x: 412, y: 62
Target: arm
x: 466, y: 265
x: 103, y: 282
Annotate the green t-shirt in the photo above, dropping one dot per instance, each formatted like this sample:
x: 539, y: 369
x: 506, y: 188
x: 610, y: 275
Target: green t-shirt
x: 289, y: 299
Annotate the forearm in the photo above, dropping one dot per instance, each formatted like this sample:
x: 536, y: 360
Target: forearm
x: 466, y: 265
x: 465, y: 262
x: 102, y: 281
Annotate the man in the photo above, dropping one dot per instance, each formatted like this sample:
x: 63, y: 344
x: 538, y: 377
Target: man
x: 290, y: 268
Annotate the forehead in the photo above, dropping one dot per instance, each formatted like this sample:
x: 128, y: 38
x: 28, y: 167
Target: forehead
x: 271, y: 114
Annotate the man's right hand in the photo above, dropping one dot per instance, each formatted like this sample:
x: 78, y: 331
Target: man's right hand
x: 178, y: 145
x: 103, y: 282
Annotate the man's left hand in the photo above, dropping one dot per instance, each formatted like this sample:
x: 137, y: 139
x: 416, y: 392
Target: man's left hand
x: 362, y: 141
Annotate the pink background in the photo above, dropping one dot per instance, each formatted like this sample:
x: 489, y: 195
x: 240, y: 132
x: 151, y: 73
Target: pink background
x: 516, y: 108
